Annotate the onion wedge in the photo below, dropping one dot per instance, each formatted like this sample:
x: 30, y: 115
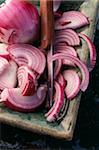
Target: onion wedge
x: 3, y: 64
x: 13, y: 99
x: 3, y: 51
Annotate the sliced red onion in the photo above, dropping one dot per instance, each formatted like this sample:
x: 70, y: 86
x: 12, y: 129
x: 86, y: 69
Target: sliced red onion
x: 67, y: 36
x: 57, y: 104
x: 32, y: 55
x: 19, y: 22
x: 8, y: 78
x: 92, y: 51
x: 81, y: 66
x: 62, y: 82
x: 3, y: 51
x: 26, y: 79
x: 57, y: 68
x: 3, y: 64
x: 76, y: 18
x: 13, y: 99
x: 67, y: 50
x: 73, y: 83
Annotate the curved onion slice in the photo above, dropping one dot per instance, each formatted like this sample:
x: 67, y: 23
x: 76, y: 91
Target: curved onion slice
x: 13, y: 99
x: 76, y: 18
x: 57, y: 104
x: 3, y: 64
x: 67, y: 50
x: 26, y: 80
x: 3, y: 51
x: 92, y: 50
x: 81, y: 66
x: 8, y: 78
x: 62, y: 82
x: 32, y: 55
x: 19, y: 22
x: 73, y: 83
x: 67, y: 36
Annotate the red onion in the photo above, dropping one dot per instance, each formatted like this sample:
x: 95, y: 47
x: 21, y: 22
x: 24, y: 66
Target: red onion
x: 59, y: 99
x: 19, y: 22
x: 62, y: 82
x: 58, y: 64
x: 67, y: 50
x: 81, y: 66
x: 32, y: 55
x: 73, y: 83
x: 3, y: 51
x: 68, y: 36
x: 76, y: 18
x: 3, y: 64
x: 92, y: 50
x: 13, y: 99
x: 26, y: 79
x: 8, y: 78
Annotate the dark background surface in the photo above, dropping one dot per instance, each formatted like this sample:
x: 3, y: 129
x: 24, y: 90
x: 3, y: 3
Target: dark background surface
x: 86, y: 136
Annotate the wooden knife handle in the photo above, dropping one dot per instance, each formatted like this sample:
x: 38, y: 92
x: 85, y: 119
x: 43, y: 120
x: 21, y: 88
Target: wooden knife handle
x: 47, y: 25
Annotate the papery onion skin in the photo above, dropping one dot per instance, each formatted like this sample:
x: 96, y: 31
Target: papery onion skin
x: 15, y: 101
x: 19, y: 22
x: 76, y: 61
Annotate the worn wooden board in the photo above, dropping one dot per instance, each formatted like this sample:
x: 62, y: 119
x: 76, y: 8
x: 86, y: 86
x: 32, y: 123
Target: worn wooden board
x: 36, y: 122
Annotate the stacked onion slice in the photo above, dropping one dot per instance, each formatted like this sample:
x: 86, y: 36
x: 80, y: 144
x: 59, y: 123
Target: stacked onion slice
x: 19, y: 79
x: 69, y: 69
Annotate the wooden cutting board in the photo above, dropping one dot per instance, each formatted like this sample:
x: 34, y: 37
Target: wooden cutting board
x: 35, y: 122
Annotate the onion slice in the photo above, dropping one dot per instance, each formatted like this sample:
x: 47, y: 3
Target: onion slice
x: 13, y: 99
x: 57, y: 67
x: 8, y: 78
x: 81, y: 66
x: 76, y: 18
x: 73, y: 83
x: 59, y: 99
x: 92, y: 50
x: 32, y: 55
x: 67, y: 36
x: 26, y: 79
